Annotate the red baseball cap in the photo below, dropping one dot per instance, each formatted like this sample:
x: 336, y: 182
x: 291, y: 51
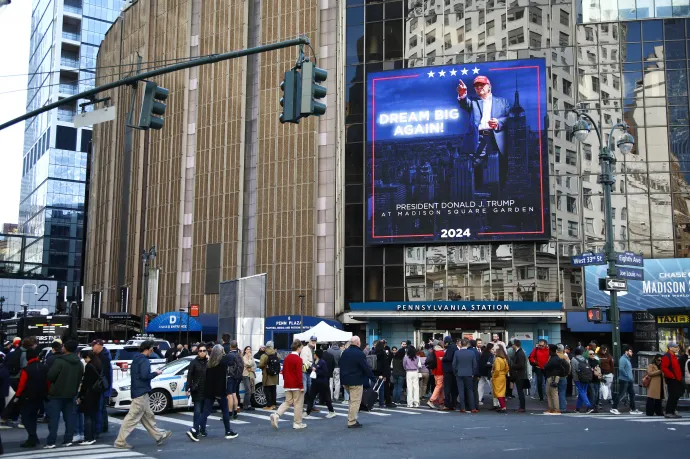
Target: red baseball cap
x: 481, y: 80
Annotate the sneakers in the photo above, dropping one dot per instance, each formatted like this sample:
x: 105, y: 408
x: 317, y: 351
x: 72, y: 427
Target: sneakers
x: 87, y: 442
x: 356, y: 425
x: 29, y: 444
x: 299, y: 426
x: 590, y: 410
x: 431, y: 405
x: 331, y: 414
x: 193, y: 435
x: 274, y: 420
x: 614, y: 411
x: 230, y: 435
x: 49, y: 446
x: 234, y: 417
x: 309, y: 416
x: 119, y: 446
x: 203, y: 433
x: 671, y: 416
x: 69, y: 443
x: 165, y: 436
x: 636, y: 412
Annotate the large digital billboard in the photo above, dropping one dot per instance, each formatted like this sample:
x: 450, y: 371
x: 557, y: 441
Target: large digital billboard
x: 457, y: 153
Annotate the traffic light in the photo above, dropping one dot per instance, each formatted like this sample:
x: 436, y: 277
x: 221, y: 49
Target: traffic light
x: 290, y: 102
x: 312, y: 91
x: 152, y: 107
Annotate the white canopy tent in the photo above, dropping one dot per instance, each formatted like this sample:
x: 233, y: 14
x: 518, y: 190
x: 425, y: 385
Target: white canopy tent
x: 324, y: 334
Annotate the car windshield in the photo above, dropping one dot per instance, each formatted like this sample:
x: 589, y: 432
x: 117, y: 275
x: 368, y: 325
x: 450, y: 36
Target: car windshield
x: 175, y: 366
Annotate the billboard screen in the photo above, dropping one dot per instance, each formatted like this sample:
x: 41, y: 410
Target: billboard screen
x: 457, y: 153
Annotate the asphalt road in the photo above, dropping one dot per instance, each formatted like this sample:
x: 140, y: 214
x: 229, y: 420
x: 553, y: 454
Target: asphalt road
x: 399, y: 433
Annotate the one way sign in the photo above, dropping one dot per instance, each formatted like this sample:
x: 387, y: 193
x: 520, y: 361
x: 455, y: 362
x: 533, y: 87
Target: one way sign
x: 611, y: 284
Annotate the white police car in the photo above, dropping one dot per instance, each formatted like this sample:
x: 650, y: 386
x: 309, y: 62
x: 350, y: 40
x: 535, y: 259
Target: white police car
x: 168, y: 390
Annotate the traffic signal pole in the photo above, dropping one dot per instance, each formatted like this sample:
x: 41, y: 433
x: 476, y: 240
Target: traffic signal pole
x: 212, y: 59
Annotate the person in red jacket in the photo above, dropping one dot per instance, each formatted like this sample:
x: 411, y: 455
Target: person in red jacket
x: 437, y: 397
x: 674, y: 379
x: 294, y: 387
x: 31, y: 391
x: 538, y: 359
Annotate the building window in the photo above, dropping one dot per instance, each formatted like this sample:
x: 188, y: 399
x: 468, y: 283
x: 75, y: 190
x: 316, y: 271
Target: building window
x: 587, y: 198
x: 589, y: 225
x: 526, y: 272
x: 447, y: 42
x: 468, y: 24
x: 543, y: 273
x: 589, y: 34
x: 481, y: 17
x: 563, y: 39
x: 431, y: 19
x: 516, y: 15
x: 595, y: 84
x: 503, y: 22
x: 553, y: 222
x: 557, y: 150
x: 567, y: 87
x: 572, y: 229
x: 431, y: 37
x: 624, y: 213
x: 613, y: 213
x: 516, y: 36
x: 413, y: 41
x: 624, y: 233
x: 560, y: 226
x: 535, y: 15
x: 570, y: 157
x: 490, y: 29
x: 571, y: 204
x: 565, y: 18
x: 588, y: 151
x: 559, y: 200
x: 616, y: 79
x: 534, y: 40
x: 481, y: 40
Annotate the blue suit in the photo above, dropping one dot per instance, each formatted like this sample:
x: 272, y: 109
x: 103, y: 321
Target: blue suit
x: 488, y: 141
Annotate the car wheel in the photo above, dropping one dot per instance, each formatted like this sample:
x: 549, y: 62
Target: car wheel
x: 159, y: 401
x: 258, y: 397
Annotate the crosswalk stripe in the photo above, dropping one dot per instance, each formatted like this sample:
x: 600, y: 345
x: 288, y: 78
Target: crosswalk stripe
x: 218, y: 418
x: 373, y: 413
x: 82, y: 452
x: 649, y: 420
x: 681, y: 423
x: 425, y: 410
x: 398, y: 410
x: 188, y: 424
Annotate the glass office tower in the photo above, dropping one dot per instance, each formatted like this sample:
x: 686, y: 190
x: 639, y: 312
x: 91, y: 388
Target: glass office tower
x: 65, y: 36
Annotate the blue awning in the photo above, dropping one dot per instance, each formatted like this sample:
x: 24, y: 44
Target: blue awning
x: 577, y: 322
x: 209, y: 323
x: 173, y: 322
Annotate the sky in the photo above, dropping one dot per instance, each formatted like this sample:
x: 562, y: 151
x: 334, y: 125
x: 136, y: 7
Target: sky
x: 15, y: 28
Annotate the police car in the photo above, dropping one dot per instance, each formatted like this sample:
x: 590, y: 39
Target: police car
x: 121, y: 356
x: 168, y: 390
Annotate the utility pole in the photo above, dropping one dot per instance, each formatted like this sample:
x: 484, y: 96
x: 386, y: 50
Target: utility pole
x: 212, y: 59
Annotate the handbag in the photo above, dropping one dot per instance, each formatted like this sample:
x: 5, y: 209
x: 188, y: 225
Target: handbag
x: 313, y: 374
x: 646, y: 380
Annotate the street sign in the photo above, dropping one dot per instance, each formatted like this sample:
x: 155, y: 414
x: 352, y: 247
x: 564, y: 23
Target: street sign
x: 588, y: 258
x: 630, y: 273
x: 629, y: 259
x: 96, y: 116
x: 611, y: 284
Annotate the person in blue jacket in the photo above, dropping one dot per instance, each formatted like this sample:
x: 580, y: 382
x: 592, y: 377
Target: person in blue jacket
x: 140, y: 410
x: 103, y: 355
x: 319, y: 386
x: 354, y: 374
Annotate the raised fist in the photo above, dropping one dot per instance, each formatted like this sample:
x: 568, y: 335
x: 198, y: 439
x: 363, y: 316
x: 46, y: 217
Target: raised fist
x: 462, y: 90
x: 493, y: 123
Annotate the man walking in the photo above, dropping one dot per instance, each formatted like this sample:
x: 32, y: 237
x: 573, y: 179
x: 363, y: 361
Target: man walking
x: 103, y: 355
x: 334, y: 382
x: 625, y: 380
x: 140, y: 410
x: 294, y: 388
x: 235, y: 364
x: 354, y: 372
x: 64, y: 377
x: 465, y: 365
x: 196, y: 379
x: 307, y: 356
x: 518, y: 371
x: 670, y: 367
x: 450, y: 384
x: 30, y: 393
x: 582, y: 376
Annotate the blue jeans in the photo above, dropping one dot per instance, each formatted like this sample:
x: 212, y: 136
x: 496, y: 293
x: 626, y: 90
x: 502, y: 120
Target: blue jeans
x: 465, y: 390
x: 306, y: 382
x: 208, y: 407
x: 623, y: 387
x: 398, y: 382
x: 199, y: 406
x: 562, y: 403
x: 582, y: 395
x: 102, y: 416
x: 54, y: 407
x: 78, y: 420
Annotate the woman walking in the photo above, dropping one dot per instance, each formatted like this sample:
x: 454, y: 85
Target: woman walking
x: 655, y: 390
x: 486, y: 363
x: 424, y: 372
x: 319, y: 385
x: 436, y: 399
x: 216, y: 389
x: 398, y: 375
x: 89, y: 398
x: 248, y: 377
x: 498, y: 378
x: 411, y: 365
x: 269, y: 382
x: 607, y: 366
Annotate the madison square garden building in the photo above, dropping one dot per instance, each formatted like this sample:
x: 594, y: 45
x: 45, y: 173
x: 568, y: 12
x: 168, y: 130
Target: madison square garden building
x: 407, y: 211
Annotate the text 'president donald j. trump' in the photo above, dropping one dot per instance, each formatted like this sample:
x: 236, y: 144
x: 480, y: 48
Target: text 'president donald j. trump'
x: 488, y: 117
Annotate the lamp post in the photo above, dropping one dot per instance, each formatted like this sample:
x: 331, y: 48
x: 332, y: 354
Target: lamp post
x: 145, y: 258
x: 607, y: 163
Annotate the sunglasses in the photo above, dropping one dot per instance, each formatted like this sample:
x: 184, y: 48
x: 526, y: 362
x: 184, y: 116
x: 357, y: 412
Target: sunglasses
x: 202, y: 350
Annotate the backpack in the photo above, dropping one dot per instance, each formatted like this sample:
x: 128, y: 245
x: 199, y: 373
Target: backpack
x: 101, y: 385
x: 431, y: 361
x: 584, y: 372
x: 13, y: 362
x: 371, y: 361
x: 273, y: 365
x: 235, y: 366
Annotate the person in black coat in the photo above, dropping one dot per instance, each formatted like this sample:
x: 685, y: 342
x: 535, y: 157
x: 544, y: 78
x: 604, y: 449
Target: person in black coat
x: 320, y: 384
x: 31, y: 391
x: 88, y: 398
x: 196, y: 382
x: 215, y: 389
x: 450, y: 385
x: 383, y: 369
x: 518, y: 372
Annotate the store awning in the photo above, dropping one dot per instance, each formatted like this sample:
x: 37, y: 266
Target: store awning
x: 359, y: 315
x: 209, y: 323
x: 577, y: 322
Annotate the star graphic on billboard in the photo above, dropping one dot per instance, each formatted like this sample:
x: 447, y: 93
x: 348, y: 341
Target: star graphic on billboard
x: 464, y: 71
x: 453, y: 72
x: 475, y: 71
x: 442, y: 73
x: 431, y: 74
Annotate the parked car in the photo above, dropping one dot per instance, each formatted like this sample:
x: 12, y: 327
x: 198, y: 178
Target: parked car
x: 121, y: 357
x: 169, y: 389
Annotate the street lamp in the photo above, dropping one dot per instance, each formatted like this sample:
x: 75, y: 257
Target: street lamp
x: 607, y: 163
x: 145, y: 258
